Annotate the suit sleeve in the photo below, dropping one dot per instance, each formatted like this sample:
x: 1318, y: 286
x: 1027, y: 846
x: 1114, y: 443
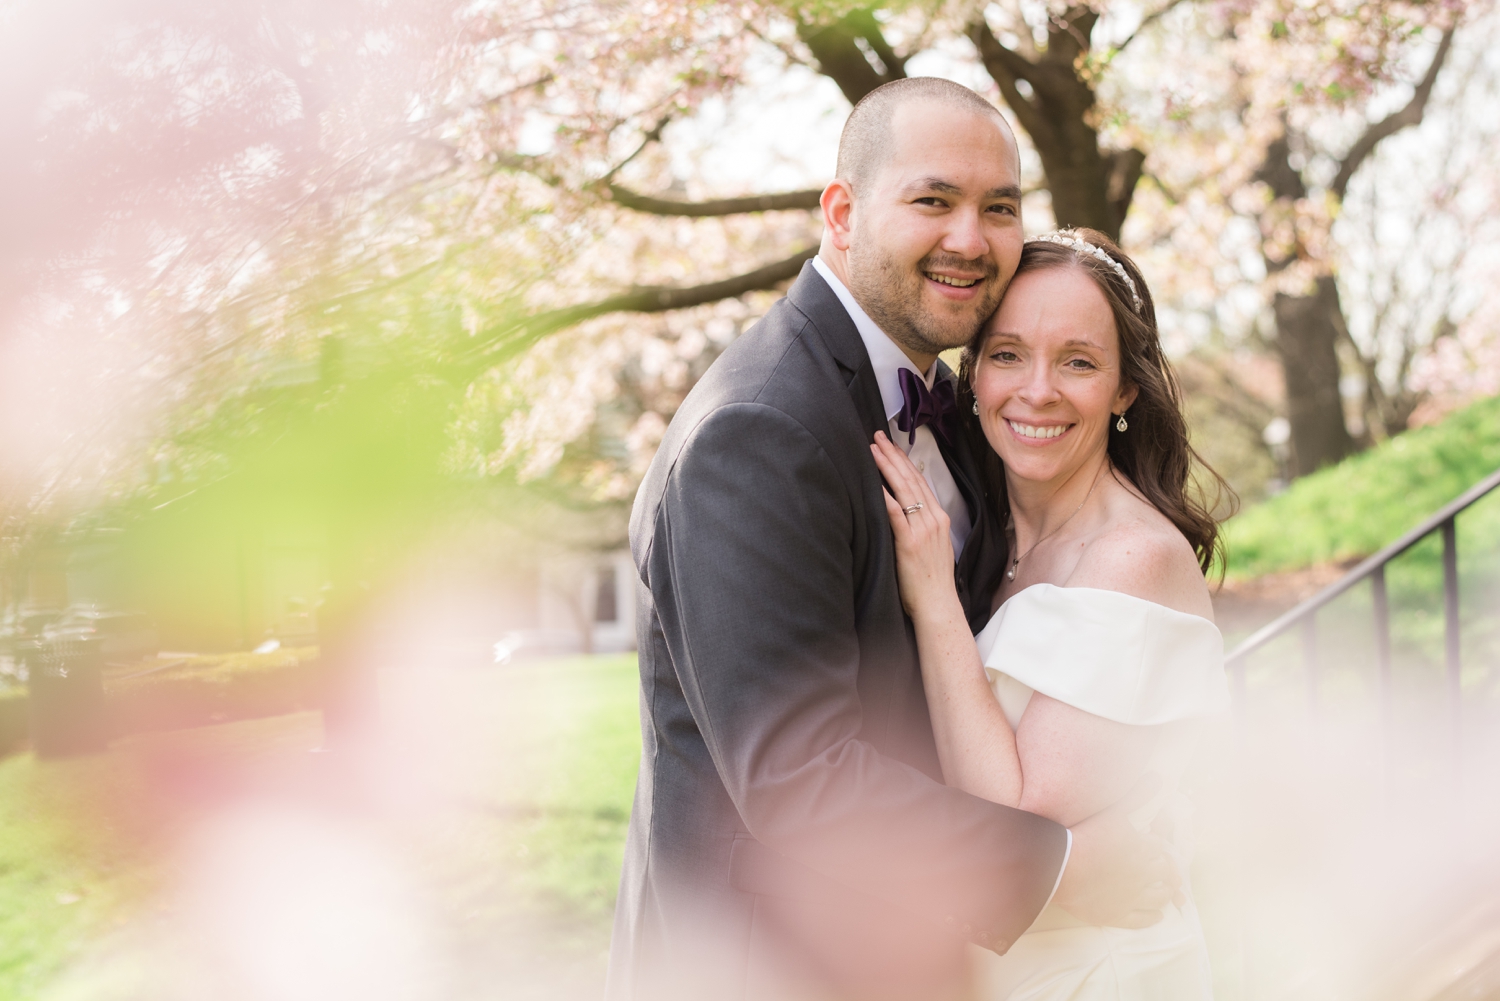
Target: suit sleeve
x: 751, y: 569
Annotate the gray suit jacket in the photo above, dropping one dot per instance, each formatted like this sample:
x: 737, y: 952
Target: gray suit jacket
x: 791, y: 836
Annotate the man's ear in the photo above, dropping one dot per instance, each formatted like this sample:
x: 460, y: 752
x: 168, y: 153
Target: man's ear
x: 838, y: 212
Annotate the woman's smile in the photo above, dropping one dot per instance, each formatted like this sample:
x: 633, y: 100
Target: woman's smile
x: 1038, y: 433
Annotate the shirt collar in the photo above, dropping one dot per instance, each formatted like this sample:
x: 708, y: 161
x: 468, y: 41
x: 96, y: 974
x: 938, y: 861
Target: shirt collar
x: 886, y: 356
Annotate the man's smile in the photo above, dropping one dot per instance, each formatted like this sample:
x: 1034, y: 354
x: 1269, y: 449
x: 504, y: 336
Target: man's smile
x: 951, y: 280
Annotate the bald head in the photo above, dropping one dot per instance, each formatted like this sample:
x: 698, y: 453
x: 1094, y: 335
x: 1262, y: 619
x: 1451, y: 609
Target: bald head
x: 867, y: 141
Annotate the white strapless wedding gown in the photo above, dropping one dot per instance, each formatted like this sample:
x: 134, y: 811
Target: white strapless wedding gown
x: 1132, y: 661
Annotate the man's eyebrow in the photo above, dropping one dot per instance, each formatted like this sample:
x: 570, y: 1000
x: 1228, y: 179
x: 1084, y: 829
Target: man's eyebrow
x: 934, y: 184
x: 938, y: 184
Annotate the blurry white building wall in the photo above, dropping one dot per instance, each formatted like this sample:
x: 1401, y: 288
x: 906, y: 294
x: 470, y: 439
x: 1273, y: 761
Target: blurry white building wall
x: 592, y: 596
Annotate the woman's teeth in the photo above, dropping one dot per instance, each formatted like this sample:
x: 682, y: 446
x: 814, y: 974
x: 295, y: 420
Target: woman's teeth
x: 1032, y: 431
x: 955, y: 282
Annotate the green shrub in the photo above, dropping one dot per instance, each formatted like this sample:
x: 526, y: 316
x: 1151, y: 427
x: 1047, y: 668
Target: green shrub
x: 1368, y: 501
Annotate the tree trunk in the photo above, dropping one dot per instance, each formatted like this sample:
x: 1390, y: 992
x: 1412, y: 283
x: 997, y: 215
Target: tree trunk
x: 1055, y: 105
x: 853, y: 53
x: 1307, y: 331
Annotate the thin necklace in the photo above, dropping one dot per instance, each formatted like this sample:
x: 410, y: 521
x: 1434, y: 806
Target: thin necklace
x: 1016, y: 561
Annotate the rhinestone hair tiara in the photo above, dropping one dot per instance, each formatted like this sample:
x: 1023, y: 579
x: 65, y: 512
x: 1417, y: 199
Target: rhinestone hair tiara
x: 1067, y: 238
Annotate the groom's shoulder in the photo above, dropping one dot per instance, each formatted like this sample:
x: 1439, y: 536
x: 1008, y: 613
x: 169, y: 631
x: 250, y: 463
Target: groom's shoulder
x: 785, y: 362
x: 779, y: 385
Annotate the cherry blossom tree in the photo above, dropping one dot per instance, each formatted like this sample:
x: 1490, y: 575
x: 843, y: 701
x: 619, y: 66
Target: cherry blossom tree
x: 493, y: 196
x: 1300, y: 258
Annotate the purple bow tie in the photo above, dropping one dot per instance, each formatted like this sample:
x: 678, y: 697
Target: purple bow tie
x: 935, y: 407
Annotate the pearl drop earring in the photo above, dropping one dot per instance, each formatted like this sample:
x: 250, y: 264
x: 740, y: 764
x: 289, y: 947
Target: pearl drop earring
x: 976, y: 406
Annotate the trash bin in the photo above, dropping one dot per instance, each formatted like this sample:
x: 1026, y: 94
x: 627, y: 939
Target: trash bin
x: 66, y: 688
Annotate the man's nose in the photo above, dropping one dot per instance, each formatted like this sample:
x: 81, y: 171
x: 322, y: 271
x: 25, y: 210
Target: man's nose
x: 965, y: 236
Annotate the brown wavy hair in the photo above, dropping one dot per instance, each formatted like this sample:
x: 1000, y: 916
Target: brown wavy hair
x: 1154, y: 453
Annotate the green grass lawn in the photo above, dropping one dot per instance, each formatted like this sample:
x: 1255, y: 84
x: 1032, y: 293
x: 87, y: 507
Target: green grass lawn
x: 568, y: 813
x: 73, y: 865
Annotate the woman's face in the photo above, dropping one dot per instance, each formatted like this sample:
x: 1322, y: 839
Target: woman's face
x: 1048, y: 379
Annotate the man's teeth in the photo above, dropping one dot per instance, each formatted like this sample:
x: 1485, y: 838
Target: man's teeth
x: 955, y: 282
x: 1032, y: 431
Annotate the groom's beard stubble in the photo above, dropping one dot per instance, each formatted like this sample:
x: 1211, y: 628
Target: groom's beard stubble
x: 893, y: 296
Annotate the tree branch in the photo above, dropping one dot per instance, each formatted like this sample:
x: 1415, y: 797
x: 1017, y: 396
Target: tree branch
x: 505, y: 340
x: 808, y: 199
x: 1393, y: 123
x: 1005, y: 68
x: 651, y: 136
x: 1148, y: 21
x: 792, y: 55
x: 843, y: 60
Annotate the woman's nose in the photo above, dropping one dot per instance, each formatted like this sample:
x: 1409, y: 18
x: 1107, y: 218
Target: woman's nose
x: 1039, y: 388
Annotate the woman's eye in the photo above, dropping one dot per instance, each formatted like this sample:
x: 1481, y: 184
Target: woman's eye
x: 1006, y: 356
x: 1081, y: 364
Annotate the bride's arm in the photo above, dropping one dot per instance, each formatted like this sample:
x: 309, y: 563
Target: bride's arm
x: 975, y: 743
x: 1061, y: 762
x: 1077, y: 764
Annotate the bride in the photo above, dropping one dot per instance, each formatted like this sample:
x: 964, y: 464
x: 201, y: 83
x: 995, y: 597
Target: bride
x: 1101, y: 652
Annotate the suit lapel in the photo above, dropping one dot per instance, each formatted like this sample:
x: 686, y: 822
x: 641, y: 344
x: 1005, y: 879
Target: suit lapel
x: 811, y: 294
x: 977, y: 563
x: 960, y: 461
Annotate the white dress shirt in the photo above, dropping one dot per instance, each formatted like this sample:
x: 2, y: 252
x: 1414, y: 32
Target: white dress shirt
x: 887, y: 358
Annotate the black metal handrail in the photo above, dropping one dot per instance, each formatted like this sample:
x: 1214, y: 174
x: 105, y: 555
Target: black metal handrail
x: 1374, y: 568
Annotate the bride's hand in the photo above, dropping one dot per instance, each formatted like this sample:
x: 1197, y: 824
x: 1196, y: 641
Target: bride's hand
x: 924, y: 549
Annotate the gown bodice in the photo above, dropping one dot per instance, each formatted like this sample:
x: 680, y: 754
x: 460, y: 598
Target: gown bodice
x: 1136, y: 662
x: 1111, y: 654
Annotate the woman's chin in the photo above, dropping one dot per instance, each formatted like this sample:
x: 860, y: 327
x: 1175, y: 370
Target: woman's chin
x: 1029, y: 467
x: 1032, y: 472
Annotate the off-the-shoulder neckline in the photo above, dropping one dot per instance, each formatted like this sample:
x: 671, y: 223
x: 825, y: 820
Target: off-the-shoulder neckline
x: 1102, y: 590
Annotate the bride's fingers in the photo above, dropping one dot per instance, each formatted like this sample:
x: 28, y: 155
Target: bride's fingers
x: 1141, y: 919
x: 897, y: 473
x: 889, y: 454
x: 907, y: 482
x: 1164, y: 871
x: 1155, y: 895
x: 894, y: 464
x: 910, y: 528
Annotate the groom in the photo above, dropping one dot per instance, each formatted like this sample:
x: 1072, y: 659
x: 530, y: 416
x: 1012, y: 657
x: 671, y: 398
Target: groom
x: 791, y: 836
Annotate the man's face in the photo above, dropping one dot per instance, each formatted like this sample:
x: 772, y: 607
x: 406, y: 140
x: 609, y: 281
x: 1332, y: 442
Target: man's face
x: 935, y: 232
